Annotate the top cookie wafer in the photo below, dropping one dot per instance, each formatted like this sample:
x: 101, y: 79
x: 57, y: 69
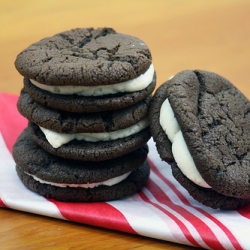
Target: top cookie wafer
x: 84, y: 57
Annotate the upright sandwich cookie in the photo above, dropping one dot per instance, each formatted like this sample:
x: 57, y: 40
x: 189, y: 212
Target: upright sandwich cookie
x: 201, y: 125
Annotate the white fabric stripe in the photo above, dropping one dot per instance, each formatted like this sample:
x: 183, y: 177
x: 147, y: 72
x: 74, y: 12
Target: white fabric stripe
x: 140, y: 216
x: 219, y: 233
x: 238, y: 225
x: 14, y: 194
x: 173, y: 231
x: 187, y: 223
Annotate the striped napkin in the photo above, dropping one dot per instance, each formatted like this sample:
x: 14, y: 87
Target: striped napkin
x: 161, y: 210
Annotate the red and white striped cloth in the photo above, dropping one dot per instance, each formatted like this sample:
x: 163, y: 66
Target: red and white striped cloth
x: 162, y: 210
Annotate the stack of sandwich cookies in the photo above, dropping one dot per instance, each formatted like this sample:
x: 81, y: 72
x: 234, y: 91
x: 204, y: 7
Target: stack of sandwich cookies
x: 201, y: 125
x: 86, y: 95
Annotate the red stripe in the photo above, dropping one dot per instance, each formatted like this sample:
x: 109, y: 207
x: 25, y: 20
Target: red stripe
x: 227, y: 232
x: 2, y: 203
x: 244, y: 211
x: 180, y: 224
x: 201, y: 227
x: 99, y: 214
x: 11, y: 122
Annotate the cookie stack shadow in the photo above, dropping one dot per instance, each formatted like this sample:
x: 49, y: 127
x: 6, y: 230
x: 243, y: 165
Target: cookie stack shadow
x: 82, y: 147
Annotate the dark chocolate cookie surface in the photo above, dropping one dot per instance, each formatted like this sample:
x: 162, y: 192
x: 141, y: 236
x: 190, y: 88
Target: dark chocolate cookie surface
x: 92, y: 151
x: 84, y: 57
x: 215, y: 121
x: 34, y: 160
x: 207, y: 196
x: 132, y: 184
x: 66, y: 122
x: 80, y: 104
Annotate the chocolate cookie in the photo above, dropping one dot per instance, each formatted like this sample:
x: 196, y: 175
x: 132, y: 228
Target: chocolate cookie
x: 86, y: 57
x: 70, y: 180
x: 210, y: 122
x: 66, y: 122
x: 132, y: 184
x: 67, y: 70
x: 207, y: 196
x: 82, y: 104
x: 92, y: 151
x: 35, y: 161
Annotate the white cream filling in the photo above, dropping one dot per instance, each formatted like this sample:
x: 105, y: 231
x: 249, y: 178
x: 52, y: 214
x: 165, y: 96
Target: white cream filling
x: 56, y: 139
x: 136, y: 84
x: 109, y: 182
x: 180, y: 150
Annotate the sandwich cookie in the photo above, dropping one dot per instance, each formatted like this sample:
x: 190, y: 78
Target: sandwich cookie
x: 201, y: 125
x: 67, y: 122
x: 91, y: 146
x: 69, y: 180
x: 87, y: 70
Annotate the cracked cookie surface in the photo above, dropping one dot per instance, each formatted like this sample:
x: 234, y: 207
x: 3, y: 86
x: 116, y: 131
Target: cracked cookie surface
x: 86, y: 57
x: 214, y: 118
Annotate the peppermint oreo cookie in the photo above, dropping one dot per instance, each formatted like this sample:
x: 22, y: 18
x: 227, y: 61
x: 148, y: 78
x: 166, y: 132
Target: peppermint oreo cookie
x: 201, y: 125
x: 87, y: 70
x: 70, y: 180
